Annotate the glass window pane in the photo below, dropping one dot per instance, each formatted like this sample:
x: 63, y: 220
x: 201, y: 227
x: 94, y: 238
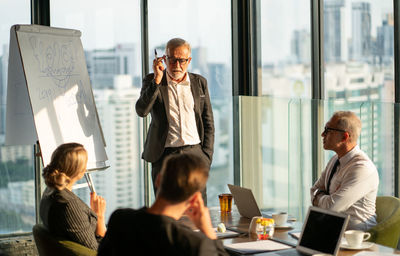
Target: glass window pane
x: 286, y: 48
x: 283, y: 124
x: 111, y: 40
x: 17, y: 197
x: 210, y: 38
x: 276, y: 141
x: 17, y: 189
x: 359, y: 74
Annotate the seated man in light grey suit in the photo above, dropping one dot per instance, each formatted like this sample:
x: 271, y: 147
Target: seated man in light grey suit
x: 349, y: 183
x: 179, y: 104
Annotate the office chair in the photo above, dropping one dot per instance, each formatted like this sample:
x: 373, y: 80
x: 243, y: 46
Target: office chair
x: 48, y: 245
x: 387, y: 231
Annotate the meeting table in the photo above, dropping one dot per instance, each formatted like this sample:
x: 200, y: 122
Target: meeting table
x: 233, y: 221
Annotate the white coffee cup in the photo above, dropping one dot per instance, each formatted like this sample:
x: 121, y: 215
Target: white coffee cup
x: 355, y: 238
x: 280, y: 218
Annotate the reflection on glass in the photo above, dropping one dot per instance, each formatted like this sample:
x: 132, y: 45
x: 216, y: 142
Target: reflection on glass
x: 17, y: 201
x: 276, y: 144
x: 285, y: 48
x: 17, y: 189
x: 210, y: 38
x: 111, y: 40
x: 359, y: 70
x: 276, y: 141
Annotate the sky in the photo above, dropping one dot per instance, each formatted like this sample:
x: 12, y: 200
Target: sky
x: 108, y: 23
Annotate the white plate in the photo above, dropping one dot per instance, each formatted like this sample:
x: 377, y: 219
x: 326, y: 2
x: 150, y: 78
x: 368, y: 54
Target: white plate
x: 284, y: 226
x: 364, y: 245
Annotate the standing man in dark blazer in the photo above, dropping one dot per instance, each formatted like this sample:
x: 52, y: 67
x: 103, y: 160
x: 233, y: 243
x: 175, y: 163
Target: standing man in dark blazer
x: 180, y: 107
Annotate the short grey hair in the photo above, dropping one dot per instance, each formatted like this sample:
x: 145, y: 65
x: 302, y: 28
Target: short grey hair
x: 177, y: 42
x: 349, y: 122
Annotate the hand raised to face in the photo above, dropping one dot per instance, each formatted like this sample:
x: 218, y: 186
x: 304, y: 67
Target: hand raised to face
x: 158, y: 69
x: 200, y: 215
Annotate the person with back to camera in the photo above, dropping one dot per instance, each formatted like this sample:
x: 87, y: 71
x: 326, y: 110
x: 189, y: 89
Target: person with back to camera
x: 156, y: 230
x: 62, y: 212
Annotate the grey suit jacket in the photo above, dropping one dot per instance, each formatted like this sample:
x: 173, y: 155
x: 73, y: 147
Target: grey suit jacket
x: 154, y: 100
x: 67, y: 216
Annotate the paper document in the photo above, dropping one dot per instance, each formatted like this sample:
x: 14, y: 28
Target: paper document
x: 226, y: 234
x: 257, y: 246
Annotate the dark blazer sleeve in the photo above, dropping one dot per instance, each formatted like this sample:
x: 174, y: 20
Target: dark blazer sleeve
x: 148, y: 96
x: 78, y: 222
x: 208, y: 122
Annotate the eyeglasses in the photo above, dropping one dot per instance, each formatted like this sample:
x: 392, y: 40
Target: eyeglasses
x: 174, y: 60
x: 328, y: 129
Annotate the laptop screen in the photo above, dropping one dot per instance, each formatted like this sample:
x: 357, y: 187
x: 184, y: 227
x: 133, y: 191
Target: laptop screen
x: 322, y: 231
x: 245, y: 201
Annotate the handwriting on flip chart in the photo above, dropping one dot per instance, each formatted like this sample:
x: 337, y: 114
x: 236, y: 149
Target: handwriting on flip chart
x: 49, y: 93
x: 56, y: 60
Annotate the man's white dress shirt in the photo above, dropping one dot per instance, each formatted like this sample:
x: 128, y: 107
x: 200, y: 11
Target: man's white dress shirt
x: 353, y: 189
x: 182, y: 123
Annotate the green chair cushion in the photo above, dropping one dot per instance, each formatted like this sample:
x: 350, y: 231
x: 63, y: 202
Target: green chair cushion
x: 48, y: 245
x: 387, y: 231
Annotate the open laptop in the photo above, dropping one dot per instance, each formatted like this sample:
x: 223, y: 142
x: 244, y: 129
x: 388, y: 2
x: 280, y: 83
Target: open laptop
x: 321, y: 233
x: 245, y: 201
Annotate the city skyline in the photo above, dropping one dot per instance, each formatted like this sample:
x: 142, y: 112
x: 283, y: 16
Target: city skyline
x: 111, y: 39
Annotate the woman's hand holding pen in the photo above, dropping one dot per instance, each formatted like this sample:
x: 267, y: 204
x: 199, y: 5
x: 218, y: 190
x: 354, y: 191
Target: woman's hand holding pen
x: 158, y: 68
x: 98, y: 205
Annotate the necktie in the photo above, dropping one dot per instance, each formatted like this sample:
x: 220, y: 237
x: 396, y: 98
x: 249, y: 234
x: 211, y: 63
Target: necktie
x: 331, y: 175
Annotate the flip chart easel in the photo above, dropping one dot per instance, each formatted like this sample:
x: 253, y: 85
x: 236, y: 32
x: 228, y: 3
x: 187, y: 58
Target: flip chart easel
x: 49, y: 96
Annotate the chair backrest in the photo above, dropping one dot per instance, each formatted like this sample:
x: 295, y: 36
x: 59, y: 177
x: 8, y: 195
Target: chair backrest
x: 387, y: 231
x: 48, y: 245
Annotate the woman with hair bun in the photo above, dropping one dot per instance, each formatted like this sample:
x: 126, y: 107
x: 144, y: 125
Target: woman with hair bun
x: 62, y: 212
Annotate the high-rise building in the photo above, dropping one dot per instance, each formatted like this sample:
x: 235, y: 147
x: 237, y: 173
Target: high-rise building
x: 217, y: 79
x: 103, y: 65
x: 335, y: 42
x: 361, y: 89
x: 121, y: 183
x: 301, y: 46
x: 16, y: 153
x: 3, y: 91
x: 199, y: 61
x: 361, y: 31
x: 385, y: 40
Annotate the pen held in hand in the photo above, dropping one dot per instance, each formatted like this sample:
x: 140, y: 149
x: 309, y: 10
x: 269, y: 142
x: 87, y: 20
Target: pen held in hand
x: 155, y: 53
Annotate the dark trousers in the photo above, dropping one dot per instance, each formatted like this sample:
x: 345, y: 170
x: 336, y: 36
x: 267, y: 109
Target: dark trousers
x: 194, y: 149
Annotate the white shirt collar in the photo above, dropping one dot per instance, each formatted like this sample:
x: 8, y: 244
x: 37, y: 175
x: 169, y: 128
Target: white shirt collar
x: 349, y: 155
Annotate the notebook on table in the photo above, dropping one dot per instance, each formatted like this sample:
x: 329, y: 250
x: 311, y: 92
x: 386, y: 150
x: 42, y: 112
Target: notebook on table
x: 321, y: 233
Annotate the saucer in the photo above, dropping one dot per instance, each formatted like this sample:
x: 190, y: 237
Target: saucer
x: 364, y: 245
x: 284, y: 226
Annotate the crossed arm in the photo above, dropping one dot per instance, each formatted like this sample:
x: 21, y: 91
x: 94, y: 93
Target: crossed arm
x: 355, y: 184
